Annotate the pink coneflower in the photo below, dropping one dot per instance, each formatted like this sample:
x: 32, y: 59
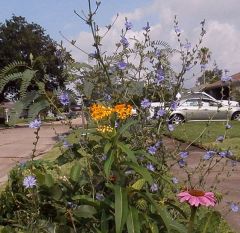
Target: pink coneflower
x: 197, y: 197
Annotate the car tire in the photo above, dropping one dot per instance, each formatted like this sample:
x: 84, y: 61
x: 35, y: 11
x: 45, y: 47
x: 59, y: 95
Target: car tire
x: 236, y: 116
x: 176, y: 119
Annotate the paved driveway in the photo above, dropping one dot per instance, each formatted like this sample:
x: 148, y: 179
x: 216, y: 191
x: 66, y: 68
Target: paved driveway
x: 16, y: 145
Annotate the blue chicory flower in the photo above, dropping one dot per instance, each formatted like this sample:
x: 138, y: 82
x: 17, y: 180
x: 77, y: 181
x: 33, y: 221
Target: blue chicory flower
x: 66, y: 144
x: 174, y: 105
x: 145, y: 103
x: 116, y: 124
x: 175, y: 180
x: 226, y: 153
x: 226, y: 78
x: 128, y: 25
x: 158, y: 143
x: 209, y: 154
x: 220, y: 138
x: 159, y: 77
x: 181, y: 163
x: 103, y: 158
x: 184, y: 154
x: 35, y: 124
x: 152, y: 150
x: 234, y: 207
x: 147, y: 27
x: 203, y: 67
x: 158, y: 53
x: 228, y: 126
x: 177, y: 29
x: 92, y: 55
x: 154, y: 187
x: 64, y: 98
x: 187, y: 45
x: 124, y: 41
x: 170, y: 127
x: 122, y: 65
x: 150, y: 167
x: 161, y: 112
x: 100, y: 196
x: 29, y: 181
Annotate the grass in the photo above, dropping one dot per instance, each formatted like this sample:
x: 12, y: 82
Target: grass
x: 204, y: 134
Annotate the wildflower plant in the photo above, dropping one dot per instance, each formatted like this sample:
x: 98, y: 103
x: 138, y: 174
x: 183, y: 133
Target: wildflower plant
x: 119, y: 170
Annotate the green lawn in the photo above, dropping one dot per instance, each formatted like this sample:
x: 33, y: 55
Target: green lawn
x: 205, y: 134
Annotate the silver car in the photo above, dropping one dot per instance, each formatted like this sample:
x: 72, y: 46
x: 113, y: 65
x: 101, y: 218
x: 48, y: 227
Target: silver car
x: 203, y: 109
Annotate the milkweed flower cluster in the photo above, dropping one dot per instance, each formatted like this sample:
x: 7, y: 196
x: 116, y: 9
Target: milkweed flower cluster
x: 105, y: 129
x: 99, y: 112
x: 123, y: 111
x: 197, y: 198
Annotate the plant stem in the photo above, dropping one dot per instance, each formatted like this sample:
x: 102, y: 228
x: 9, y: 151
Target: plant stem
x: 191, y: 220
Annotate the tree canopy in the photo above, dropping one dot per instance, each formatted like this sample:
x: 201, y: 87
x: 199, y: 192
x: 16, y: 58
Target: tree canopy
x: 22, y: 41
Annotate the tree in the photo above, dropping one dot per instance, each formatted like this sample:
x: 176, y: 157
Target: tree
x: 204, y: 55
x: 210, y: 76
x: 23, y: 41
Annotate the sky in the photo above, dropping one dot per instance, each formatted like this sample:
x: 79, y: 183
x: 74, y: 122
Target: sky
x: 222, y: 24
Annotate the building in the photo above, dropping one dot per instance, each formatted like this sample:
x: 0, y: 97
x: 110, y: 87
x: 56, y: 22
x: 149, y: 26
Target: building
x: 224, y: 90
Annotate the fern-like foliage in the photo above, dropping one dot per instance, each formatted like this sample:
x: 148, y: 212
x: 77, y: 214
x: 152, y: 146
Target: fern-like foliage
x: 10, y: 68
x: 8, y: 78
x: 37, y: 107
x: 26, y: 79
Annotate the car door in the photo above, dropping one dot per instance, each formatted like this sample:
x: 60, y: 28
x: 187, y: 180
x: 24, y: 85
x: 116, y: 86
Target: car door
x: 214, y: 110
x: 191, y: 109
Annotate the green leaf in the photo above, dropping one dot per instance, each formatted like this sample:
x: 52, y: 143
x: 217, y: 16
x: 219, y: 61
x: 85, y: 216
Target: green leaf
x: 108, y: 164
x: 84, y: 211
x: 142, y: 171
x: 88, y: 88
x: 56, y: 192
x: 127, y: 151
x: 154, y: 227
x: 169, y: 223
x: 82, y: 152
x: 104, y: 222
x: 125, y: 127
x: 107, y: 147
x: 37, y: 107
x: 49, y: 181
x: 75, y: 172
x: 138, y: 184
x: 27, y: 77
x: 133, y: 224
x: 121, y: 207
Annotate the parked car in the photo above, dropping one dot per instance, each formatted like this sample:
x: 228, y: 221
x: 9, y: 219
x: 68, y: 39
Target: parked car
x: 203, y: 109
x: 204, y: 95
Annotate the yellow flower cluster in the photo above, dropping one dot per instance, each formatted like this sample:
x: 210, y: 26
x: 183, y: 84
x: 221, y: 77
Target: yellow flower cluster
x: 105, y: 129
x: 99, y: 112
x: 123, y: 110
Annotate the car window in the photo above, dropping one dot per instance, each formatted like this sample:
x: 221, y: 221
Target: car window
x: 208, y: 102
x: 191, y: 102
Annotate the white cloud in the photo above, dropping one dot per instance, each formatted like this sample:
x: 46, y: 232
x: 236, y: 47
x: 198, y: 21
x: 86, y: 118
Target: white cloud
x: 223, y: 31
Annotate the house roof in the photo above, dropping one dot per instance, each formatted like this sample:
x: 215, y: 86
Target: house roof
x: 235, y: 80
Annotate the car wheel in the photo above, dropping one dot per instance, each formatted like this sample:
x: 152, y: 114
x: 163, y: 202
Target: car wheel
x: 236, y: 116
x: 176, y: 119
